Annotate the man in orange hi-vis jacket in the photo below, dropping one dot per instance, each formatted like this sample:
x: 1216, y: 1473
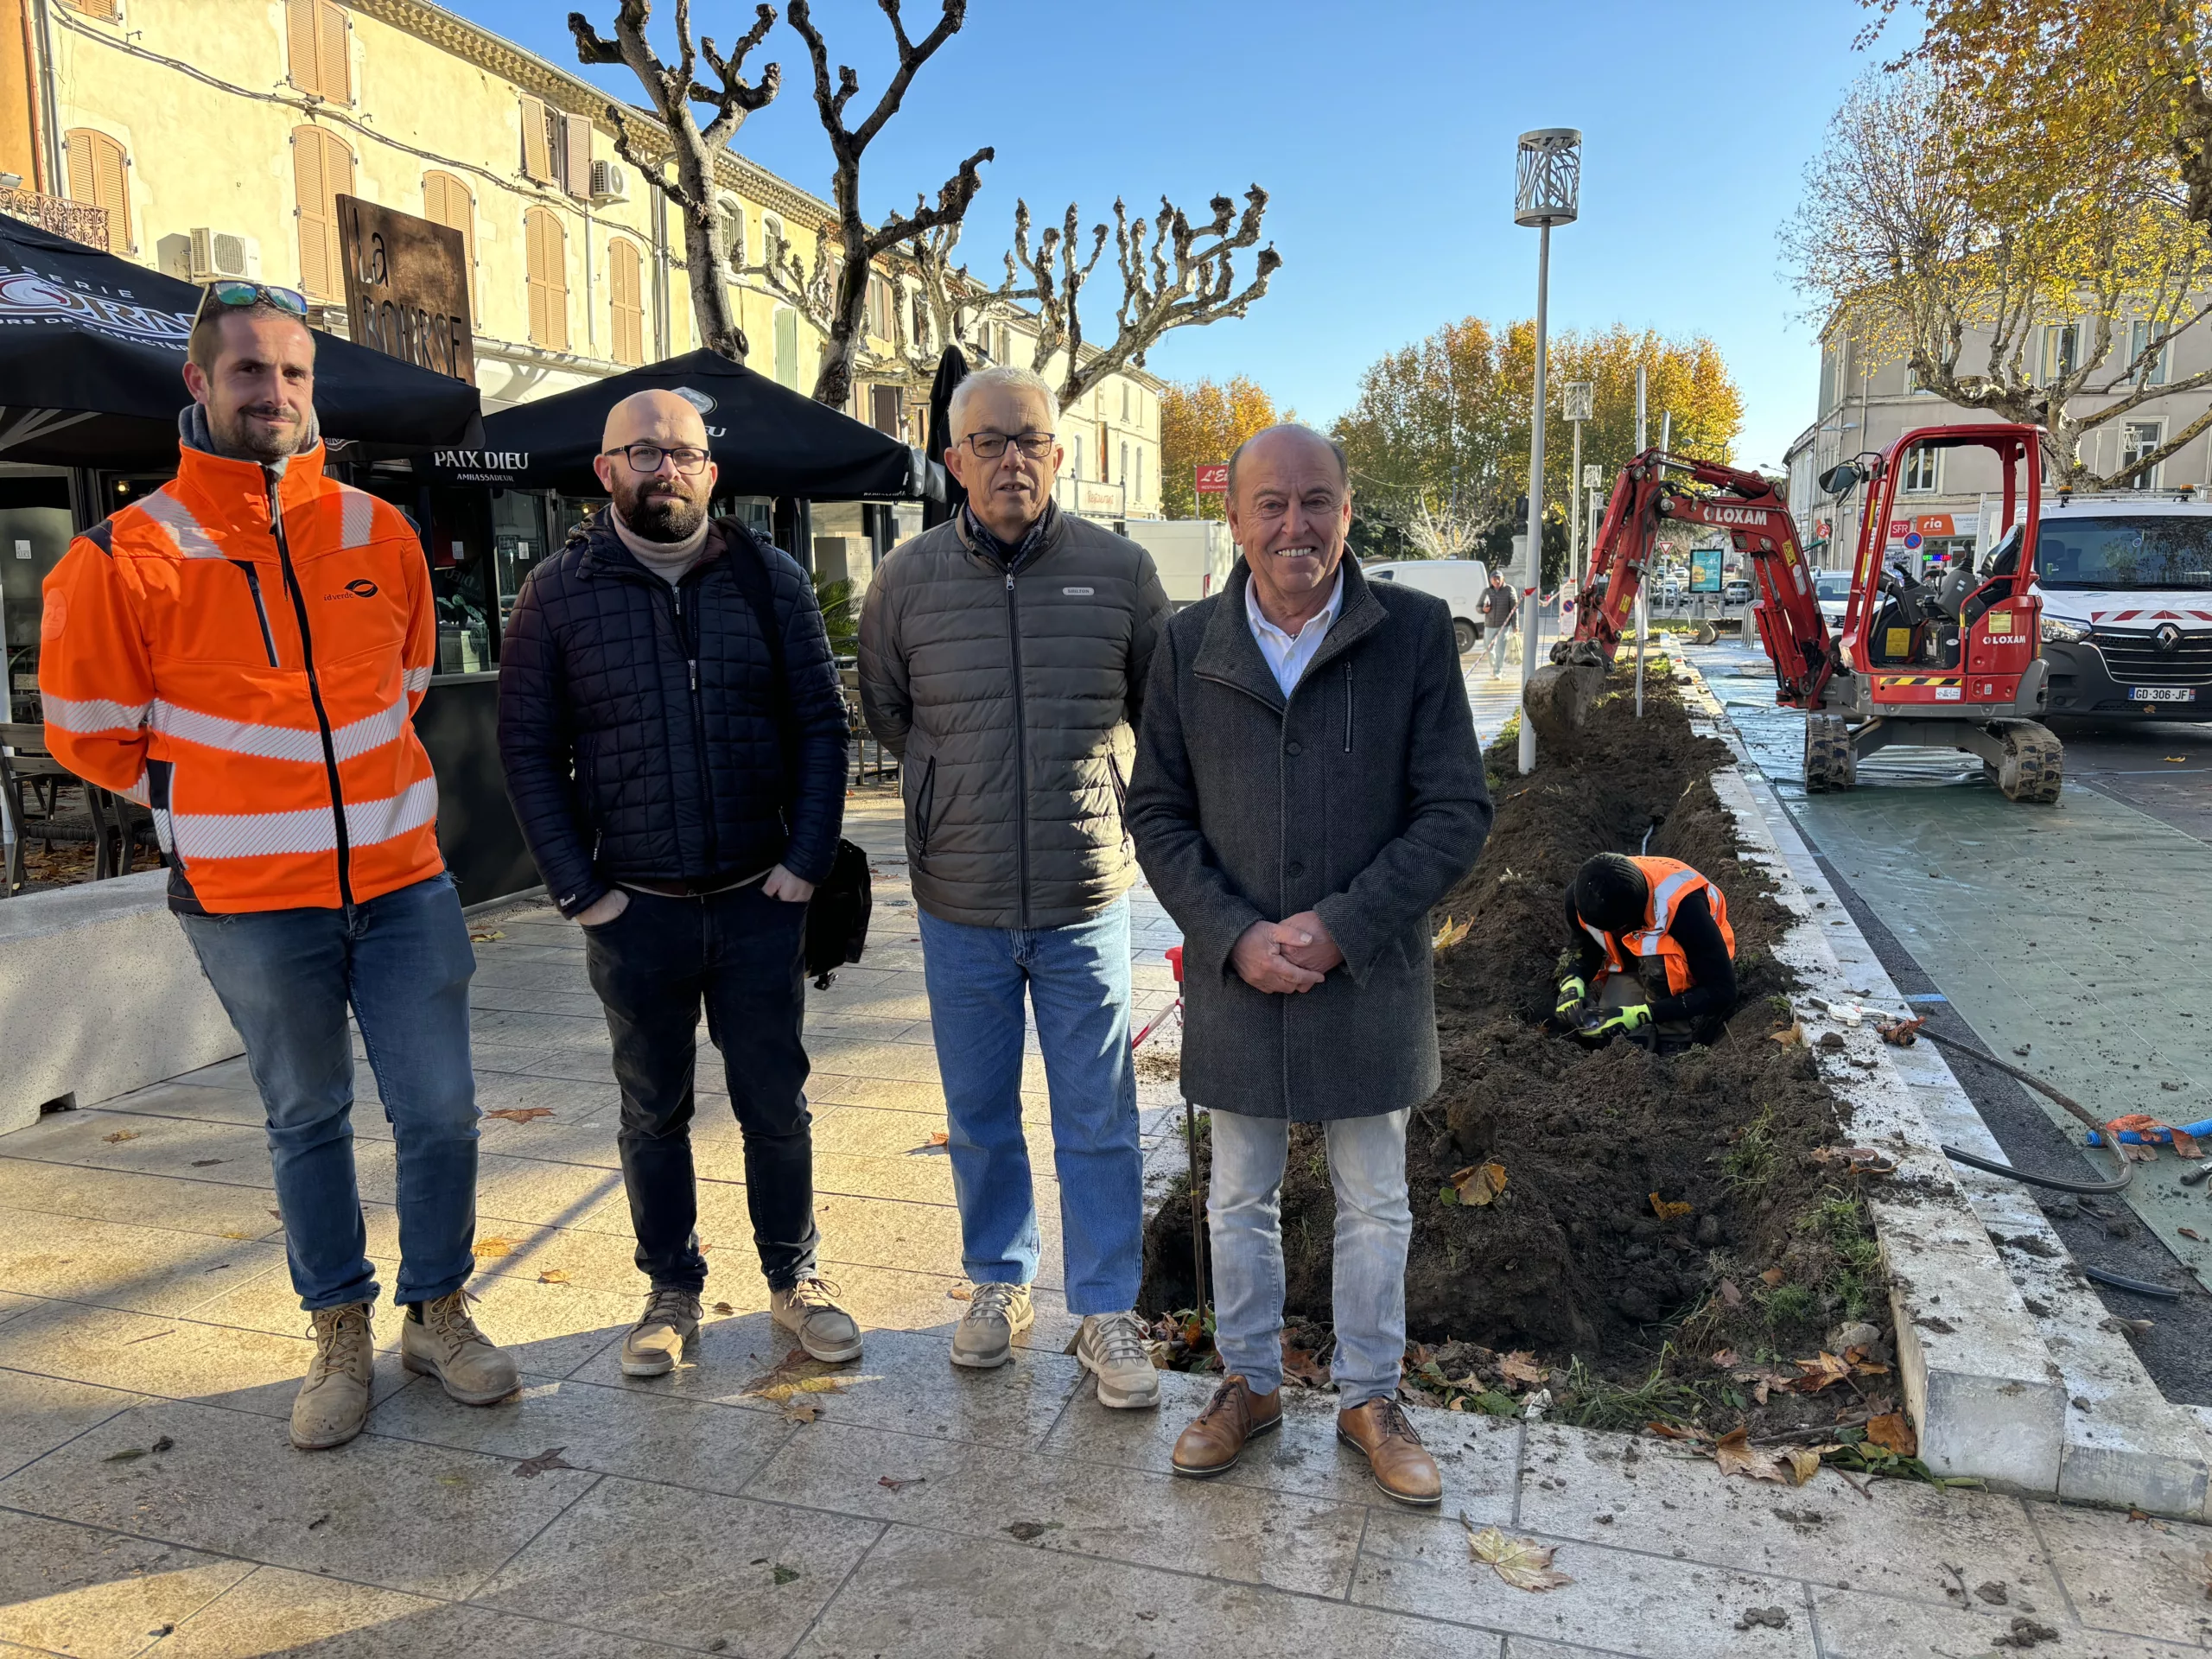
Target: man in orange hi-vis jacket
x: 242, y: 652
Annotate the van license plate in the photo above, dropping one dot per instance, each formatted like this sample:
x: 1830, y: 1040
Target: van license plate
x: 2162, y: 693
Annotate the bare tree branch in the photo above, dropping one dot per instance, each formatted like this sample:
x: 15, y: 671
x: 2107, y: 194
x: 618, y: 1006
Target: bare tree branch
x: 672, y: 90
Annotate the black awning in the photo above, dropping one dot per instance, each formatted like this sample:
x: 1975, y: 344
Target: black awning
x: 767, y: 439
x: 92, y: 365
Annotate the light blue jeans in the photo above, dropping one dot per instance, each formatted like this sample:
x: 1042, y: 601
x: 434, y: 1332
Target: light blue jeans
x: 1375, y: 1223
x: 402, y: 963
x: 1077, y: 979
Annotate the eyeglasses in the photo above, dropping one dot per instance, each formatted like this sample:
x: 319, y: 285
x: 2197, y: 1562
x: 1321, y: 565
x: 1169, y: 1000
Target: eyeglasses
x: 237, y: 296
x: 647, y: 457
x: 989, y: 446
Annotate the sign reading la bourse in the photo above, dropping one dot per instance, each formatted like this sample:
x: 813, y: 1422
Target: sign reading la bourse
x: 406, y: 287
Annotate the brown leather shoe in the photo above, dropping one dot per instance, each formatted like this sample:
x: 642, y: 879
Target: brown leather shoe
x: 1401, y: 1464
x: 1216, y: 1438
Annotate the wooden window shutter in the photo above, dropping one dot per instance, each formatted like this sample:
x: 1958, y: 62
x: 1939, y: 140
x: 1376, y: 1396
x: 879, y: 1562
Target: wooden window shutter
x: 301, y: 60
x: 322, y: 170
x: 575, y: 137
x: 445, y: 201
x: 546, y: 260
x: 624, y: 285
x: 537, y: 165
x: 334, y: 57
x: 99, y: 177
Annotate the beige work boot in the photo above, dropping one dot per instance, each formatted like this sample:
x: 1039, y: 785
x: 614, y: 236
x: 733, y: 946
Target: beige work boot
x: 1111, y: 1346
x: 333, y: 1402
x: 445, y: 1344
x: 656, y: 1342
x: 997, y: 1315
x: 810, y: 1312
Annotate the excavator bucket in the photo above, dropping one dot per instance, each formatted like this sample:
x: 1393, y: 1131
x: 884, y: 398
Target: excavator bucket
x: 1558, y: 698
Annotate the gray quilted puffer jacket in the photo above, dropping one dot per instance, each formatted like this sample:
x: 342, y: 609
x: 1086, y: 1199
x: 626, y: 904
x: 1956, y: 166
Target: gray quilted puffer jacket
x: 1011, y: 699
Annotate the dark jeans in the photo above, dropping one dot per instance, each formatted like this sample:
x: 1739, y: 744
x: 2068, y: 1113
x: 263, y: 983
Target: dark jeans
x: 402, y: 963
x: 653, y: 966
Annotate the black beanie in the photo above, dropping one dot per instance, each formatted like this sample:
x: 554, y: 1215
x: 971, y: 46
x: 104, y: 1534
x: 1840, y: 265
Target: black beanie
x: 1611, y: 894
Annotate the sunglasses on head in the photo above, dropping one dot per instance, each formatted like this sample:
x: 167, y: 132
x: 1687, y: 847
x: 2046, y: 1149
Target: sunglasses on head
x: 239, y: 296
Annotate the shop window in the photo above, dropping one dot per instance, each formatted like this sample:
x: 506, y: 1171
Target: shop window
x: 317, y: 56
x: 322, y: 171
x: 446, y: 201
x: 625, y: 297
x: 545, y: 257
x: 99, y: 175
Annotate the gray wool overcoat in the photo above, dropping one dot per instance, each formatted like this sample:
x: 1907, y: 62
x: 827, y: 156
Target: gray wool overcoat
x: 1360, y: 796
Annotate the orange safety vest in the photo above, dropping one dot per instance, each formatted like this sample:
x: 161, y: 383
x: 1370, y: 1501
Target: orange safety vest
x: 252, y: 679
x: 1653, y: 945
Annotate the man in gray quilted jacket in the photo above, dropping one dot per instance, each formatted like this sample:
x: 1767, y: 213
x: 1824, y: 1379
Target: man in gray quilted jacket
x: 1003, y: 657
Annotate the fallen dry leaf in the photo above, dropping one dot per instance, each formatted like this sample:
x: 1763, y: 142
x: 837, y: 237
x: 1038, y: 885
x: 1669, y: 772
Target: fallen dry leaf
x: 1450, y: 933
x: 1478, y: 1184
x: 2190, y: 1232
x: 1904, y: 1033
x: 1859, y: 1160
x: 938, y: 1137
x: 1893, y: 1433
x: 2172, y: 760
x: 1521, y: 1367
x: 1300, y: 1367
x: 960, y: 1293
x: 1522, y: 1563
x: 120, y: 1134
x: 801, y: 1411
x: 782, y: 1393
x: 898, y: 1485
x: 1791, y: 1036
x: 1736, y: 1455
x: 1729, y: 1295
x: 1771, y: 1277
x: 487, y: 1247
x: 554, y: 1276
x: 1676, y: 1432
x: 521, y: 1114
x: 530, y: 1468
x: 1822, y: 1372
x: 486, y: 936
x: 1668, y: 1209
x: 1804, y: 1462
x: 1726, y: 1359
x: 724, y: 1309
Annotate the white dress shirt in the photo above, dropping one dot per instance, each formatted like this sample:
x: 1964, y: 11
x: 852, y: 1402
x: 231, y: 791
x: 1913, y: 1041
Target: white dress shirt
x: 1288, y: 654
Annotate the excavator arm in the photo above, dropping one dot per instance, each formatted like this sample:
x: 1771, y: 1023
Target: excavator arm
x: 1650, y: 492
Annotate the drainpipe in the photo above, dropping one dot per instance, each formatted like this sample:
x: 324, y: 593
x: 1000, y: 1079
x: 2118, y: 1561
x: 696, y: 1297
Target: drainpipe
x: 660, y: 275
x: 50, y: 99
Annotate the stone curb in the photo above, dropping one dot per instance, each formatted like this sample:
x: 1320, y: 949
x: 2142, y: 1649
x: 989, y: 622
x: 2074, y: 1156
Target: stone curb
x: 2013, y: 1369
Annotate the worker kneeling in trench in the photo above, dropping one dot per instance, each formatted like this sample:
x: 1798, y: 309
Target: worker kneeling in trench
x: 1652, y: 958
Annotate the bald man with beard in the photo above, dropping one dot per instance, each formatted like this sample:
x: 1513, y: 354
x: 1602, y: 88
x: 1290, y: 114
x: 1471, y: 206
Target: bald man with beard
x: 682, y: 803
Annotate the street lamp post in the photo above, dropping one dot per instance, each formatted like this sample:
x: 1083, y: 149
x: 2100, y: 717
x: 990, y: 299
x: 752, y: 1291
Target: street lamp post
x: 1547, y: 186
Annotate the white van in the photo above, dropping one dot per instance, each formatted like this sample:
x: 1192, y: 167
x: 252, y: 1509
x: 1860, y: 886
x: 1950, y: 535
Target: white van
x: 2127, y: 586
x: 1458, y: 582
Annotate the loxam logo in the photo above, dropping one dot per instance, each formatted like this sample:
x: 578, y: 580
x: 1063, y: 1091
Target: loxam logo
x: 1739, y: 516
x: 361, y: 588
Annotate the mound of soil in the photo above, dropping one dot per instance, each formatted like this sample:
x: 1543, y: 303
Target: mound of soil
x: 1586, y: 1253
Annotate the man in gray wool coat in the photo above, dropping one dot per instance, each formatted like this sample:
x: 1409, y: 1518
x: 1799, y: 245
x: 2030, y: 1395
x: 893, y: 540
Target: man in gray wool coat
x: 1308, y: 786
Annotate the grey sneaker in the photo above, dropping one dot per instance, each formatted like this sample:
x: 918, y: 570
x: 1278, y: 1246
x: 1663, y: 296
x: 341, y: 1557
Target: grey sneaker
x: 333, y: 1402
x: 445, y: 1344
x: 1111, y: 1346
x: 997, y: 1315
x: 656, y: 1341
x: 808, y: 1310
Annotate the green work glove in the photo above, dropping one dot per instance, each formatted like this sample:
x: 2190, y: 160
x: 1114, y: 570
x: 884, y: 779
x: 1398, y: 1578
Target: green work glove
x: 1573, y: 993
x: 1615, y: 1022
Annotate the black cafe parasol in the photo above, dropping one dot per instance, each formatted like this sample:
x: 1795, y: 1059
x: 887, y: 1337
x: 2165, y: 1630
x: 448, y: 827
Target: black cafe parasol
x: 952, y: 370
x: 767, y: 440
x: 92, y: 361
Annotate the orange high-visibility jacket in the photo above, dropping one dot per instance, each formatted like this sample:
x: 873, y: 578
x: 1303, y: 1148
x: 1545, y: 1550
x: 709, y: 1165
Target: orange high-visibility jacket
x: 251, y: 679
x: 1669, y: 881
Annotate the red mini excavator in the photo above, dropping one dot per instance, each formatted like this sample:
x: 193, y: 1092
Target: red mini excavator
x: 1952, y: 664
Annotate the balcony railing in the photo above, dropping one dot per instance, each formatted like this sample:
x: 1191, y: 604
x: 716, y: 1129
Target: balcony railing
x: 79, y: 221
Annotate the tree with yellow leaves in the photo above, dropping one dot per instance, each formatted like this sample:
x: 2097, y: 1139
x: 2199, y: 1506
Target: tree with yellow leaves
x: 2051, y: 298
x: 1201, y: 423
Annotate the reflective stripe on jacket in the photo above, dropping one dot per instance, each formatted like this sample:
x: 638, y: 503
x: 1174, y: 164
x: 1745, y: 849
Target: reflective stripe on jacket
x: 252, y: 679
x: 1669, y: 881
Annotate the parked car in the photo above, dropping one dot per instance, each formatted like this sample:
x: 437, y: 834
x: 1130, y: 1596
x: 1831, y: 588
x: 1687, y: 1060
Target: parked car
x: 1831, y: 593
x: 1458, y: 582
x: 1737, y: 590
x: 1670, y: 590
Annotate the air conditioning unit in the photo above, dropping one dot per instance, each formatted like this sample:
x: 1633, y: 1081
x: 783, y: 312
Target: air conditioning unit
x: 220, y: 255
x: 609, y: 181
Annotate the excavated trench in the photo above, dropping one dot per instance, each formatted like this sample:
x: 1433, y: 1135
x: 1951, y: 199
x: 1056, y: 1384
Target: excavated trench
x: 1657, y: 1210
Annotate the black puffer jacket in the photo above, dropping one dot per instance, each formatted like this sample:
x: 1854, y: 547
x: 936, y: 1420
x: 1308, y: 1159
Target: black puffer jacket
x: 637, y: 721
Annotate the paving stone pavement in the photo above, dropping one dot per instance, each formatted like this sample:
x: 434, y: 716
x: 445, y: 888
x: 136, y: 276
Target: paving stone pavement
x: 150, y: 1502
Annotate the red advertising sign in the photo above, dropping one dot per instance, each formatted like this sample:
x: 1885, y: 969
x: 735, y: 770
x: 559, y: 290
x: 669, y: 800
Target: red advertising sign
x: 1213, y: 477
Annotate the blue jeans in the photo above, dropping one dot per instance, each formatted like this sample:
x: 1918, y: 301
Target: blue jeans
x: 1078, y: 983
x: 402, y: 962
x: 1375, y: 1223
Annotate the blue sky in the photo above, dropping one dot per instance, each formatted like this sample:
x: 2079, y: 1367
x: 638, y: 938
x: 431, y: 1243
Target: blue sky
x: 1385, y: 135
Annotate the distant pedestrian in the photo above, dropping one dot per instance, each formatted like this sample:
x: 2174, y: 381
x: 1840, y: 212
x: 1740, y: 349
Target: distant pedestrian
x: 1499, y: 605
x: 243, y: 651
x: 683, y: 800
x: 1003, y: 657
x: 1308, y: 786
